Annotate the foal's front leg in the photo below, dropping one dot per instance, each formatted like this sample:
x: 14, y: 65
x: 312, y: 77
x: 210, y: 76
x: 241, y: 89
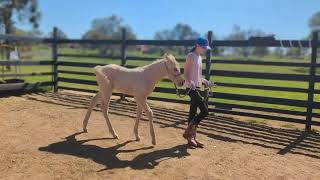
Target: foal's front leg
x: 143, y: 102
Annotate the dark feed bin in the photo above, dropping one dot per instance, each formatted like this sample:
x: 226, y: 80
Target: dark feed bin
x: 12, y: 85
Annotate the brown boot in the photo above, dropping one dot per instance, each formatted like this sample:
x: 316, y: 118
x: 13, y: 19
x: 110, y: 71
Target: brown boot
x: 199, y: 144
x: 191, y: 136
x: 187, y: 132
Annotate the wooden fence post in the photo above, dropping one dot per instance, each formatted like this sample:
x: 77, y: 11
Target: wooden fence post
x: 208, y: 60
x: 55, y: 59
x: 312, y: 73
x: 123, y: 55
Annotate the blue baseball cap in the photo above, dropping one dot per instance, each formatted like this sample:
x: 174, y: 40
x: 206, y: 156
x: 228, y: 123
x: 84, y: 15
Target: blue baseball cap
x: 203, y: 43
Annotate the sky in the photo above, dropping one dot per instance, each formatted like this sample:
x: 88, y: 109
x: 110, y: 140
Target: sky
x: 288, y: 19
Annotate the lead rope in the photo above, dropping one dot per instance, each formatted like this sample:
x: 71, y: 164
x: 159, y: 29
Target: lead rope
x: 178, y: 93
x: 209, y: 89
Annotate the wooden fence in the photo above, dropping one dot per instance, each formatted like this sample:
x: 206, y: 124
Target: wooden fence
x: 308, y: 117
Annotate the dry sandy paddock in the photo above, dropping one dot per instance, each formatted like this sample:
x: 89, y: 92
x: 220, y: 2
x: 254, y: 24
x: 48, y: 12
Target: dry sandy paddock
x: 41, y: 138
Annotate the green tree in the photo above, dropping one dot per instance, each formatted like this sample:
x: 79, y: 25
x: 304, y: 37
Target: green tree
x: 299, y: 52
x: 108, y: 28
x: 25, y: 46
x: 294, y: 52
x: 314, y: 21
x: 164, y: 35
x: 24, y: 9
x: 60, y: 34
x: 35, y: 33
x: 179, y: 32
x: 239, y: 34
x: 278, y: 52
x: 258, y: 51
x: 184, y: 32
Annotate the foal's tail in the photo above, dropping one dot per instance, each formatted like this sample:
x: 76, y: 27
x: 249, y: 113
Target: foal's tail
x: 98, y: 70
x: 94, y: 101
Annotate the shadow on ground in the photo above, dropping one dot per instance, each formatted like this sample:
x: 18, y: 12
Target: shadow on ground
x: 108, y: 156
x: 284, y: 141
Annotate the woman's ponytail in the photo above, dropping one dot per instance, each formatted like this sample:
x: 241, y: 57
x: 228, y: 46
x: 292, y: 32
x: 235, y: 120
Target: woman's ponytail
x: 193, y: 49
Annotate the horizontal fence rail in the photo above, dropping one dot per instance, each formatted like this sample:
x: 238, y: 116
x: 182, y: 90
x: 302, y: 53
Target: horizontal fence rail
x: 78, y: 64
x: 88, y: 56
x: 262, y: 87
x: 25, y: 63
x: 238, y: 74
x: 275, y: 43
x: 76, y: 72
x: 89, y: 41
x: 257, y: 62
x: 258, y: 75
x: 14, y: 38
x: 27, y: 74
x: 217, y: 43
x: 228, y: 96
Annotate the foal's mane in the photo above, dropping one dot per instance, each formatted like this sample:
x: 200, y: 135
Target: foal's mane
x: 168, y: 57
x: 154, y: 62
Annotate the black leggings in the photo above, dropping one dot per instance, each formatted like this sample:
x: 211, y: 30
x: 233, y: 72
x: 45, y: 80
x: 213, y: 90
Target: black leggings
x: 197, y: 102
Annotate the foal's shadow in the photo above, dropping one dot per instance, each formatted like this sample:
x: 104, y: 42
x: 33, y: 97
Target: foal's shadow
x: 108, y: 156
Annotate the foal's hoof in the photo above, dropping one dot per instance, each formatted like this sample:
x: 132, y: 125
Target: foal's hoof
x: 154, y: 142
x: 137, y: 138
x: 85, y: 130
x: 116, y: 136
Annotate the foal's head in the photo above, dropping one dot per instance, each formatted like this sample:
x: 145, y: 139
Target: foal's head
x: 173, y: 70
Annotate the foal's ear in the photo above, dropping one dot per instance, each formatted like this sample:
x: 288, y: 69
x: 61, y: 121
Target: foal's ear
x: 170, y: 57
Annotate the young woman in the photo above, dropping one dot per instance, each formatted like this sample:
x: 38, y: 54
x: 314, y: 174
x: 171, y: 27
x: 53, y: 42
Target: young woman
x: 193, y: 82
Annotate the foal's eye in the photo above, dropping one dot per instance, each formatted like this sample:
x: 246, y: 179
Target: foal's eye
x: 175, y: 70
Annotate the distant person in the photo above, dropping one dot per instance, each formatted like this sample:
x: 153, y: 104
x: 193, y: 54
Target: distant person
x: 14, y: 56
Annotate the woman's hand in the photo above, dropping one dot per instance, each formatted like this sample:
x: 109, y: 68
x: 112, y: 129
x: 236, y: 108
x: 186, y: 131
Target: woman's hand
x: 207, y: 83
x: 211, y: 84
x: 192, y: 85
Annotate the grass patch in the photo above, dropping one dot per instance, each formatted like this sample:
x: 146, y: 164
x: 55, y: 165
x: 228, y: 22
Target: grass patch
x: 289, y: 126
x: 257, y: 121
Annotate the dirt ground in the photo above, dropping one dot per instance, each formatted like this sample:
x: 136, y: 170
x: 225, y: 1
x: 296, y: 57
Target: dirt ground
x: 41, y: 138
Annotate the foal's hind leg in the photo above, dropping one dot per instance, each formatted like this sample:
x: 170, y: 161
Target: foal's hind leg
x: 93, y: 104
x: 105, y: 88
x: 105, y: 110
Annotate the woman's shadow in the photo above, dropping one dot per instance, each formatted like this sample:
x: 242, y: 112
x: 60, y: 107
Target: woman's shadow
x: 108, y: 156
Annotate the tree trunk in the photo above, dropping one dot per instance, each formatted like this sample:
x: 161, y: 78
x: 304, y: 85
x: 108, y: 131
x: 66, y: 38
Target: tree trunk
x: 8, y: 29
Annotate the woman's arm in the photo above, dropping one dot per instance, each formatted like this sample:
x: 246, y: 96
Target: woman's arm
x: 187, y: 69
